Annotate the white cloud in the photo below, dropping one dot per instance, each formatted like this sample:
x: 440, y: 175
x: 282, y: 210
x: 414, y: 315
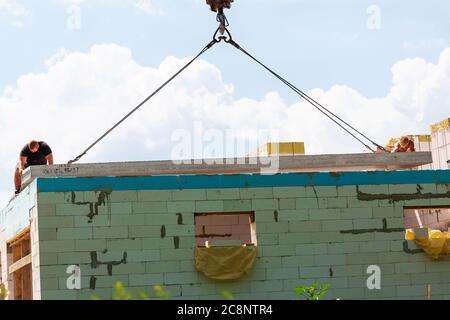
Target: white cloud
x: 81, y: 94
x: 425, y: 44
x: 14, y: 11
x: 148, y: 7
x: 71, y: 2
x: 13, y: 7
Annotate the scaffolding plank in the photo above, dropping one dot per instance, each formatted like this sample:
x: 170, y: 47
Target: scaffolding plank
x: 20, y: 264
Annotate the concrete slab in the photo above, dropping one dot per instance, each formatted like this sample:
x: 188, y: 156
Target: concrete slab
x: 265, y: 165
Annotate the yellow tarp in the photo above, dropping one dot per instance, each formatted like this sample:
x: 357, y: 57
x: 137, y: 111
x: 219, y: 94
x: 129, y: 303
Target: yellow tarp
x: 225, y: 263
x: 437, y: 243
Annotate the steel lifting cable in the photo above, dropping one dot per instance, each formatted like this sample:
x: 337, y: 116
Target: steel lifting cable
x: 228, y: 39
x: 328, y: 113
x: 206, y: 48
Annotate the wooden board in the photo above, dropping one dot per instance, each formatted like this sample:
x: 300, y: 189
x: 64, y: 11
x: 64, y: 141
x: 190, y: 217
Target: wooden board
x: 20, y: 270
x: 20, y: 264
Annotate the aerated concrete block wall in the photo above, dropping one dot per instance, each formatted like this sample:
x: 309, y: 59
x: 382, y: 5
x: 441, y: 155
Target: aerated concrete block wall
x: 19, y: 215
x: 325, y: 227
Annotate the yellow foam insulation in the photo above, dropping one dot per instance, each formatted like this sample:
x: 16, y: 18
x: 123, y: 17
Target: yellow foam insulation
x: 443, y: 125
x: 225, y: 263
x: 280, y: 149
x: 436, y: 244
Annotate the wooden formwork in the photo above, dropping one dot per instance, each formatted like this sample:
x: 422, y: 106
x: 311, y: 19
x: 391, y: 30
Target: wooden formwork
x: 19, y: 269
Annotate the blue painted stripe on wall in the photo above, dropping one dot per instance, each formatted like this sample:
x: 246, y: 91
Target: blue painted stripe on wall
x: 243, y: 181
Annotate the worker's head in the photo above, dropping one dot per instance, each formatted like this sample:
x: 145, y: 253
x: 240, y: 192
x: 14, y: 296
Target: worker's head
x: 404, y: 141
x: 33, y: 146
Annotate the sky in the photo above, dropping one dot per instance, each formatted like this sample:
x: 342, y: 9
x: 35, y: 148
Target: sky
x: 70, y: 69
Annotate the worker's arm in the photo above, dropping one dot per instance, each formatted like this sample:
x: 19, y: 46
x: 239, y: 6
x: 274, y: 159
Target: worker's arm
x: 47, y: 151
x: 22, y: 162
x: 49, y: 159
x: 396, y: 147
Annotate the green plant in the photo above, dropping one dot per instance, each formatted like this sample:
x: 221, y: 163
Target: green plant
x: 3, y: 292
x: 312, y: 292
x: 161, y: 293
x: 121, y: 293
x: 228, y: 295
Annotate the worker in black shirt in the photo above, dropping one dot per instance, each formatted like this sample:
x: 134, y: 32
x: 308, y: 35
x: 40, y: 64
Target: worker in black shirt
x: 34, y: 153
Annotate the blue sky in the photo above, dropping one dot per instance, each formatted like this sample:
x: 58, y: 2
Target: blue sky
x: 384, y: 66
x: 314, y: 43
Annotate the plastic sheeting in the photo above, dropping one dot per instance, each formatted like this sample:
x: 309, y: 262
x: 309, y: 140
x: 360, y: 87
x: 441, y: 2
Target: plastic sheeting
x: 225, y: 263
x: 437, y: 243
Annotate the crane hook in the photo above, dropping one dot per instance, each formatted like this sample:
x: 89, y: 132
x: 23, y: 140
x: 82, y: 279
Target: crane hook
x: 223, y: 22
x: 218, y: 6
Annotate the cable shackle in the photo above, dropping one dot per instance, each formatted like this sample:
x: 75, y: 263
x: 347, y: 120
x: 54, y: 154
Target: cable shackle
x: 222, y: 20
x: 226, y: 36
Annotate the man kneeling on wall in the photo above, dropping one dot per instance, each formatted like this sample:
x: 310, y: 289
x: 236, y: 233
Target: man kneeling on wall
x: 35, y: 153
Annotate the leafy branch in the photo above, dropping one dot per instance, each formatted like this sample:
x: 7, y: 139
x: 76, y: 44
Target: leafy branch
x: 312, y: 292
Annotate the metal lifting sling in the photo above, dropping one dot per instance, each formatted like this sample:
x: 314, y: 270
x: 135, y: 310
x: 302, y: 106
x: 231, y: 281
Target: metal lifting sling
x: 218, y: 6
